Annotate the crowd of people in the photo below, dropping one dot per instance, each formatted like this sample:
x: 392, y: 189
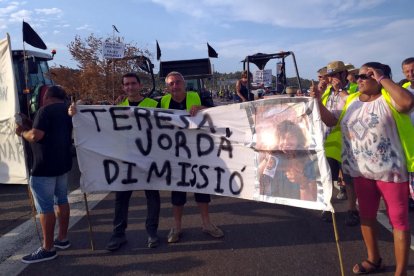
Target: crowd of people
x: 367, y: 127
x: 367, y: 138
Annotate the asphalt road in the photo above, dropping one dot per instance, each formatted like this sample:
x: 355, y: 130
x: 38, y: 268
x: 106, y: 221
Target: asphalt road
x: 260, y: 239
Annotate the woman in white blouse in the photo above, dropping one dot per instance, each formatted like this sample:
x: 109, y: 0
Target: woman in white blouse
x: 374, y: 131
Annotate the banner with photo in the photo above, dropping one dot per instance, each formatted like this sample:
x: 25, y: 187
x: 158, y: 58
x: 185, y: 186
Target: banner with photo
x: 268, y: 150
x: 13, y: 168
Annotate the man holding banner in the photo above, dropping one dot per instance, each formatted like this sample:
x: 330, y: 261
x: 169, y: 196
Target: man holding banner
x: 131, y: 85
x: 178, y: 98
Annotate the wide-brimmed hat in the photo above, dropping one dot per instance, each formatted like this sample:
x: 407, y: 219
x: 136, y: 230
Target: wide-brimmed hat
x: 322, y: 71
x: 351, y: 68
x: 335, y: 67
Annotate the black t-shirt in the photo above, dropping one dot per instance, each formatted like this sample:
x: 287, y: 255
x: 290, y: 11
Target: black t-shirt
x: 52, y: 155
x: 183, y: 104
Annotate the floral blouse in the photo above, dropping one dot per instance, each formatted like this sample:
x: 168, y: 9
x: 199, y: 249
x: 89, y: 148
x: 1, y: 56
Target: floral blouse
x: 371, y: 146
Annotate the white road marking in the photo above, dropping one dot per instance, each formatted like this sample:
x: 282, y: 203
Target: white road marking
x: 23, y: 239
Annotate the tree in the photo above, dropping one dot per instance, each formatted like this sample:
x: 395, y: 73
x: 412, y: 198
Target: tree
x: 97, y: 78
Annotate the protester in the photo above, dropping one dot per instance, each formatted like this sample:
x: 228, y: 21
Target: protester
x: 131, y: 85
x: 50, y: 141
x: 408, y: 71
x: 322, y: 79
x: 333, y: 98
x: 178, y: 98
x: 243, y: 87
x: 375, y: 129
x: 352, y: 83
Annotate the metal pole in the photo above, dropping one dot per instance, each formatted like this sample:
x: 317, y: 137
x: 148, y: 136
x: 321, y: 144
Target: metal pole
x: 113, y: 68
x: 89, y: 222
x: 341, y: 264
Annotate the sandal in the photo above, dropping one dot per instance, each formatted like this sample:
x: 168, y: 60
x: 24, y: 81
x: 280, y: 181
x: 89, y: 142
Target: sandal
x: 213, y: 231
x: 373, y: 267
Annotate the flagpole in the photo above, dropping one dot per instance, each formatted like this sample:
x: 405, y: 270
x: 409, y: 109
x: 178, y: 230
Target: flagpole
x: 113, y: 68
x: 341, y: 263
x: 26, y: 90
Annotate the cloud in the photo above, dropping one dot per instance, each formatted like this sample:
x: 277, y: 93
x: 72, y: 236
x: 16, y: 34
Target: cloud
x: 50, y: 11
x: 385, y: 44
x: 85, y: 27
x: 9, y: 9
x: 290, y: 14
x: 19, y: 15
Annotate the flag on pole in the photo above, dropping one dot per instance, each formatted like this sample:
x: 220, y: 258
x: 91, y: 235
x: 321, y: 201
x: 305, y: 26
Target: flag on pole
x: 211, y: 52
x: 115, y: 29
x: 32, y: 38
x: 158, y: 51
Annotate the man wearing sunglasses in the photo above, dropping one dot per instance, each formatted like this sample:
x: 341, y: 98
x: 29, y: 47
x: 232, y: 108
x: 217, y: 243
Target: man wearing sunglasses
x: 334, y: 98
x: 322, y: 79
x: 179, y: 98
x: 352, y: 82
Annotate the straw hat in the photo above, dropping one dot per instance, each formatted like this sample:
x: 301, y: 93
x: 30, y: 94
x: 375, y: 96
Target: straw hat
x: 351, y: 68
x: 335, y: 67
x: 322, y: 71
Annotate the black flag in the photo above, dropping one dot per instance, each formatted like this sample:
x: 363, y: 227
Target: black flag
x: 158, y: 51
x: 32, y: 38
x: 211, y: 52
x: 115, y: 29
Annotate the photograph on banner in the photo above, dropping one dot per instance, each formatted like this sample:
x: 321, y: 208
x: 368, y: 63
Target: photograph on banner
x: 285, y: 137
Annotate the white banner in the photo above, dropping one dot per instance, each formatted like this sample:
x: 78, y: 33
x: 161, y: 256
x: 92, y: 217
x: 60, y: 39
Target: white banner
x: 113, y: 49
x: 263, y: 76
x: 269, y: 150
x: 12, y: 161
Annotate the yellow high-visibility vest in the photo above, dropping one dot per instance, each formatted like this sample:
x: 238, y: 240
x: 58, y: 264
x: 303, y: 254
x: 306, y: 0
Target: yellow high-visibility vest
x: 405, y: 130
x: 146, y: 102
x: 192, y: 99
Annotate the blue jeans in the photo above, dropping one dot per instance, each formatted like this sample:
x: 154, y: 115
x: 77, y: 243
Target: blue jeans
x: 49, y: 191
x: 121, y: 212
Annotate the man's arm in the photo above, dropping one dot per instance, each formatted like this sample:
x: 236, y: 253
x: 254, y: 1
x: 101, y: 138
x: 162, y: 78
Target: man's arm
x: 32, y: 135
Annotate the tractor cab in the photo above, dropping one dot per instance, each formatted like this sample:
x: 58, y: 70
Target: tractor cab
x: 30, y: 89
x: 280, y: 86
x: 194, y: 71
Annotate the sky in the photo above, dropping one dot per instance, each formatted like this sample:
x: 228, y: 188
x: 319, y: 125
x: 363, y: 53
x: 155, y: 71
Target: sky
x: 316, y: 31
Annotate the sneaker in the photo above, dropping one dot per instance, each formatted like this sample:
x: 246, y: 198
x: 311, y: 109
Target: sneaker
x: 61, y: 244
x: 40, y: 255
x: 213, y: 231
x: 174, y: 236
x: 326, y: 216
x: 153, y: 242
x: 115, y: 243
x: 342, y: 194
x: 352, y: 218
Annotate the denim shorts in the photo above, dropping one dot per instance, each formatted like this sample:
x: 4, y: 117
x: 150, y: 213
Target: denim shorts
x: 49, y: 191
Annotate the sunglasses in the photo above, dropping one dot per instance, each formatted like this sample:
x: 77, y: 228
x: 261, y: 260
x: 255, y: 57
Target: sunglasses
x: 363, y: 77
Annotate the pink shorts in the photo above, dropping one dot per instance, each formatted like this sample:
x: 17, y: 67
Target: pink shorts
x: 395, y: 196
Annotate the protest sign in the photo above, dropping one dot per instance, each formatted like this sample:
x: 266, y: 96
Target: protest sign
x: 222, y: 151
x: 12, y: 161
x: 113, y: 49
